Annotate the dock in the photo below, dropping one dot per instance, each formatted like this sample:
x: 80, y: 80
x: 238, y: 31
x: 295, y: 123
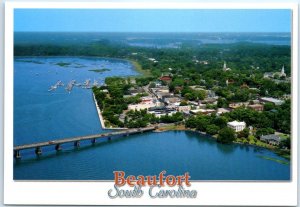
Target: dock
x: 76, y: 140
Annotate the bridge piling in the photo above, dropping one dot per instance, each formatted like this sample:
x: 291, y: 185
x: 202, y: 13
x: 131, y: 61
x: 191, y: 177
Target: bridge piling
x: 17, y: 154
x: 93, y: 141
x: 58, y: 147
x: 108, y: 138
x: 77, y: 144
x: 38, y: 151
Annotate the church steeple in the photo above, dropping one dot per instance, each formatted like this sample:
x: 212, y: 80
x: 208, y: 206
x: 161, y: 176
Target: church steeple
x: 282, y: 73
x: 224, y: 66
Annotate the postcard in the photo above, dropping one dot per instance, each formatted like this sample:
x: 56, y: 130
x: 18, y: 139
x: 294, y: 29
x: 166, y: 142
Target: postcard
x: 134, y: 104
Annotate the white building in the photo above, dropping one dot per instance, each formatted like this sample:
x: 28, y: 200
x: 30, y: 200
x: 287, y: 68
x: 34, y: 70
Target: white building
x: 225, y: 67
x: 236, y: 125
x: 275, y: 101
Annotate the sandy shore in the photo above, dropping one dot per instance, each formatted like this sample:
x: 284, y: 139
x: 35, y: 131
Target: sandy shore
x: 102, y: 121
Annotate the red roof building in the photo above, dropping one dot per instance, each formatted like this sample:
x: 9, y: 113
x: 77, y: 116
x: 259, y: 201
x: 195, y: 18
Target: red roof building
x: 165, y: 78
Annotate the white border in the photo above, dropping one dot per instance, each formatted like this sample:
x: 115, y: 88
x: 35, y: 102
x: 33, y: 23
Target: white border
x: 95, y: 193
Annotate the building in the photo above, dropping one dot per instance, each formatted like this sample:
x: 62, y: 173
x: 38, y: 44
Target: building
x: 172, y: 100
x: 237, y: 126
x: 212, y: 101
x: 161, y: 111
x: 203, y: 111
x: 238, y: 105
x: 222, y: 111
x: 166, y: 78
x: 268, y: 75
x: 271, y: 139
x: 282, y: 73
x: 256, y: 107
x: 164, y: 89
x: 184, y: 108
x: 141, y: 106
x: 146, y: 103
x: 275, y: 101
x: 162, y: 95
x: 229, y: 81
x: 271, y: 75
x: 244, y: 86
x: 225, y: 67
x: 135, y: 91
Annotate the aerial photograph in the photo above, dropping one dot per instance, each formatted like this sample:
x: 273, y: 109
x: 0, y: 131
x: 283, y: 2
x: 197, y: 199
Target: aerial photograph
x: 203, y: 91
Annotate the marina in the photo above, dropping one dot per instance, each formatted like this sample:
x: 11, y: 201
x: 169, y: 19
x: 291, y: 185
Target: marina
x: 72, y: 83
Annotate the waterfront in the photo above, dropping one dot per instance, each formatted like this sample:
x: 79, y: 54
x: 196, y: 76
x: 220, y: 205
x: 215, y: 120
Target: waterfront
x: 40, y: 115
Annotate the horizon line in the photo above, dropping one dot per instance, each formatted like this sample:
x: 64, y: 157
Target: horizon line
x: 149, y: 32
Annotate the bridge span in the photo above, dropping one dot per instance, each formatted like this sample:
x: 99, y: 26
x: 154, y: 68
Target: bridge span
x: 76, y: 140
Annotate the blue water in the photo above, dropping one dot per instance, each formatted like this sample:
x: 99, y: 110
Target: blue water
x: 40, y: 115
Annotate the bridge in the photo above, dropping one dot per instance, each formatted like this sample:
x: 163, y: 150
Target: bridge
x: 76, y: 140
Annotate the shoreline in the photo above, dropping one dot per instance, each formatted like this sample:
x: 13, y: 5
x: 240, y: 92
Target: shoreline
x: 180, y: 128
x: 101, y: 119
x: 138, y: 68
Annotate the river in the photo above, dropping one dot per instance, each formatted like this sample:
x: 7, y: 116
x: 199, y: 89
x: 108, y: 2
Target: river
x: 40, y: 115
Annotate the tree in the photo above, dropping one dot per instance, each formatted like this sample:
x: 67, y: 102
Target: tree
x: 264, y: 131
x: 269, y: 106
x: 244, y: 133
x: 212, y: 129
x: 286, y: 143
x: 226, y: 135
x: 183, y: 103
x: 221, y: 121
x: 222, y: 103
x: 152, y: 85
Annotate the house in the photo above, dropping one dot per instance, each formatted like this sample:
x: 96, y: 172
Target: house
x: 194, y: 103
x: 238, y: 105
x: 212, y: 101
x: 161, y: 95
x: 203, y: 111
x: 147, y: 100
x: 141, y: 106
x: 275, y: 101
x: 178, y: 88
x: 271, y: 139
x: 244, y: 86
x: 237, y: 126
x: 230, y: 81
x: 211, y: 94
x: 184, y: 108
x: 152, y: 59
x: 172, y: 100
x: 104, y: 90
x: 222, y: 111
x: 135, y: 91
x: 166, y: 78
x: 256, y: 107
x: 164, y: 89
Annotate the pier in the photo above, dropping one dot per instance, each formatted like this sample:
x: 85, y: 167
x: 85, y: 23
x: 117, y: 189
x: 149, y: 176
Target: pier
x: 76, y: 140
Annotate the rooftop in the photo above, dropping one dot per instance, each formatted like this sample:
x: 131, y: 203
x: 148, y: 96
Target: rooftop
x: 271, y: 137
x: 273, y: 100
x: 236, y: 123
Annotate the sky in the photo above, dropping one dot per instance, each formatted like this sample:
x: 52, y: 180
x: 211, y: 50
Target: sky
x: 149, y: 20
